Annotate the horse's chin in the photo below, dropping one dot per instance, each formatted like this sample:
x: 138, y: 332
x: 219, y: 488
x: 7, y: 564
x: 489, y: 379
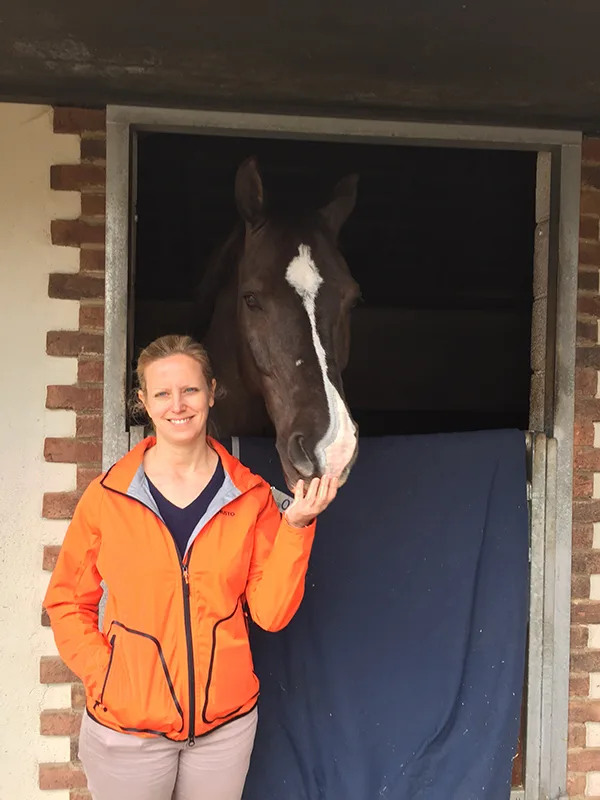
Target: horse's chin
x: 346, y: 471
x: 292, y: 476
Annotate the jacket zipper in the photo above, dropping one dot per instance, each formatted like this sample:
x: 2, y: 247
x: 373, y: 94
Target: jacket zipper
x: 190, y: 653
x: 187, y: 620
x: 100, y: 701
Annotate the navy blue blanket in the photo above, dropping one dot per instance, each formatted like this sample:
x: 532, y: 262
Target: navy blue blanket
x: 401, y: 675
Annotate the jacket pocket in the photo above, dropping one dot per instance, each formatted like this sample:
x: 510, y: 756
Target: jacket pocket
x: 138, y: 691
x: 231, y: 682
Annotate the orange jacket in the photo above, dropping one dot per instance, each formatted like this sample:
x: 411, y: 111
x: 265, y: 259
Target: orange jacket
x: 173, y: 658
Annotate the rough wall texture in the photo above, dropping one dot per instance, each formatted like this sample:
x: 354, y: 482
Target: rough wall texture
x: 584, y: 727
x: 84, y: 397
x: 28, y: 147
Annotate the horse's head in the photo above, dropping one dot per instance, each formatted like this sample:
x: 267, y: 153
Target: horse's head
x: 295, y: 294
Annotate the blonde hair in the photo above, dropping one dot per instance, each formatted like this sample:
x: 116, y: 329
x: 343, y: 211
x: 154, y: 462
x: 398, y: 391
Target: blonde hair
x: 163, y: 347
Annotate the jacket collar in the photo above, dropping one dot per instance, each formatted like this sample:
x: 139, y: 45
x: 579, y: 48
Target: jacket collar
x: 121, y: 475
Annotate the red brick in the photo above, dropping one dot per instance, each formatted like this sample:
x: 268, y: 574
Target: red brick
x: 587, y: 280
x: 85, y: 475
x: 88, y: 425
x: 590, y: 202
x: 589, y: 253
x: 78, y: 120
x: 91, y: 260
x: 61, y: 776
x: 75, y: 177
x: 60, y: 722
x: 588, y: 357
x: 67, y: 450
x: 50, y: 556
x: 75, y: 232
x: 585, y: 613
x: 588, y: 304
x: 52, y: 670
x: 75, y: 398
x: 586, y: 511
x: 90, y: 370
x: 586, y: 383
x: 77, y: 286
x: 580, y: 587
x: 583, y: 534
x: 585, y: 562
x: 586, y: 661
x: 590, y: 177
x: 585, y: 760
x: 93, y: 149
x: 579, y: 685
x: 587, y: 408
x: 579, y: 637
x: 584, y: 710
x: 59, y: 505
x: 588, y: 228
x: 576, y: 785
x: 583, y: 431
x: 91, y: 317
x: 586, y: 458
x: 77, y: 695
x: 74, y: 343
x: 590, y: 150
x: 583, y: 486
x: 587, y: 333
x: 576, y: 736
x: 94, y: 205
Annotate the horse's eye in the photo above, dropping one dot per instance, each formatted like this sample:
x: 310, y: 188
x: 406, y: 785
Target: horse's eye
x: 251, y: 301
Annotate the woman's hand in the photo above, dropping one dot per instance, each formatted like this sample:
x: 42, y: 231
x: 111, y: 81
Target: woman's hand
x: 307, y: 506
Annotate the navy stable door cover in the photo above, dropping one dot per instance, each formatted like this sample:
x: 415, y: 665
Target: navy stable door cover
x: 401, y: 675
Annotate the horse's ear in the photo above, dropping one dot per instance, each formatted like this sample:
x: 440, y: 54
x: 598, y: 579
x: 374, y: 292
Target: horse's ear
x: 341, y: 205
x: 249, y: 195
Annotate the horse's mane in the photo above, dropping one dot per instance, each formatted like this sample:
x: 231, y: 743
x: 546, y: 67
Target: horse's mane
x: 220, y: 269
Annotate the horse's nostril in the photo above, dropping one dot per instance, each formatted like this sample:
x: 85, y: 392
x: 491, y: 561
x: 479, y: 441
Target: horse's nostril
x: 299, y: 455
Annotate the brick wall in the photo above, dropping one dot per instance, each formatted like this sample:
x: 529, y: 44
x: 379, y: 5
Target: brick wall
x: 584, y: 722
x: 85, y: 397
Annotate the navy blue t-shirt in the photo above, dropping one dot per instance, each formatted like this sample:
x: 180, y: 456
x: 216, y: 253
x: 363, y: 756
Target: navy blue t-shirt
x: 182, y: 521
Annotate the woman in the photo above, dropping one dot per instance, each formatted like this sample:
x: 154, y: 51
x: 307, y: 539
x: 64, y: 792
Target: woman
x: 186, y: 540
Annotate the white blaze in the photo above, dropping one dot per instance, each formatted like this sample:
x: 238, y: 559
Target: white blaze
x: 337, y: 446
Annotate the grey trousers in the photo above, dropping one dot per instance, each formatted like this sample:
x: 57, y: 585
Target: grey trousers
x: 123, y: 767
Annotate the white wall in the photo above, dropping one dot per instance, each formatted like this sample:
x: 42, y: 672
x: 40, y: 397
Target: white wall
x: 28, y: 148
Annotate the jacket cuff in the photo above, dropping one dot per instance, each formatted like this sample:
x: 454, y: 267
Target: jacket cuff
x: 310, y: 528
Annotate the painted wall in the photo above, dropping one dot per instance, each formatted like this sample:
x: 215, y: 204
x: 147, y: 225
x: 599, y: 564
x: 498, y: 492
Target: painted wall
x: 28, y: 147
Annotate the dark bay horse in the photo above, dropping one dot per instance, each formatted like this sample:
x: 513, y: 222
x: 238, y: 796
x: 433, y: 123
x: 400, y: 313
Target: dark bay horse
x: 275, y: 304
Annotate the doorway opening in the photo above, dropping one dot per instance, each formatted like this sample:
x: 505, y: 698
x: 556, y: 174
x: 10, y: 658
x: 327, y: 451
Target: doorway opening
x: 144, y: 144
x: 440, y: 241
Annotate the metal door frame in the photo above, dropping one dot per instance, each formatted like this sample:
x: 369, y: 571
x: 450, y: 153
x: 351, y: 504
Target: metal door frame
x: 551, y: 449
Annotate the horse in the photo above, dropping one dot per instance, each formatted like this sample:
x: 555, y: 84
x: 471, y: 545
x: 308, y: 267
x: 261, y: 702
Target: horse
x: 273, y: 310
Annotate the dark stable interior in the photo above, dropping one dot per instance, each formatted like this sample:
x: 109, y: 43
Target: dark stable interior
x: 441, y: 243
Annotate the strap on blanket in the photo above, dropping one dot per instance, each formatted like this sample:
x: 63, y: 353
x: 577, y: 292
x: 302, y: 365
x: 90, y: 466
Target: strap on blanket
x: 282, y: 499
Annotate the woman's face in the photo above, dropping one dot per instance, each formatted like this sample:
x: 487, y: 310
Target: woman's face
x: 177, y: 398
